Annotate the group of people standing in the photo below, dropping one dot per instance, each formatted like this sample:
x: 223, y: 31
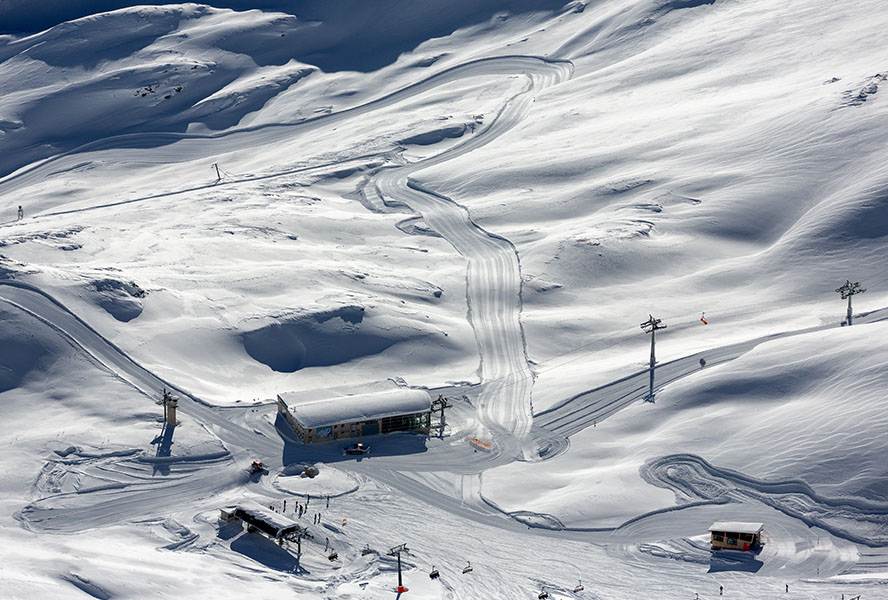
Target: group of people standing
x: 301, y: 509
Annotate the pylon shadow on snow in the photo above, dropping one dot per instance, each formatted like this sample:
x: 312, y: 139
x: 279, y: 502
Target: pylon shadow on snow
x: 164, y: 443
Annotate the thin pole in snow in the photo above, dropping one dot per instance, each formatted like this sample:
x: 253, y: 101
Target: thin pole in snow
x: 218, y: 174
x: 651, y: 326
x: 847, y: 290
x: 396, y: 551
x: 439, y: 405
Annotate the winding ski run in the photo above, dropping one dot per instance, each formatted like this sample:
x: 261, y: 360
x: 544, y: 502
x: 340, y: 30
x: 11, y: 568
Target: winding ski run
x: 493, y: 275
x: 493, y: 296
x: 493, y: 279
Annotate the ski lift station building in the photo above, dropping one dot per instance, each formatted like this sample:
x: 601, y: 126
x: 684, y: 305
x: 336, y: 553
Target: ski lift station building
x: 356, y: 415
x: 258, y: 518
x: 734, y: 535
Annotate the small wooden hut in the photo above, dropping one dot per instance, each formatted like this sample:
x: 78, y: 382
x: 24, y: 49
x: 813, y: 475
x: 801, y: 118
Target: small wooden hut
x: 735, y: 535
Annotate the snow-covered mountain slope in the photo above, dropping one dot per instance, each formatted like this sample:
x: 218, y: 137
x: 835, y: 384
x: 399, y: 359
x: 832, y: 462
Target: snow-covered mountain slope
x: 483, y: 199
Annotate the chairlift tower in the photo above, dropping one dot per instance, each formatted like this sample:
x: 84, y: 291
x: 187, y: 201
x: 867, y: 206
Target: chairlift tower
x: 170, y: 403
x: 396, y: 551
x: 848, y: 290
x: 651, y: 326
x: 298, y: 534
x: 439, y: 405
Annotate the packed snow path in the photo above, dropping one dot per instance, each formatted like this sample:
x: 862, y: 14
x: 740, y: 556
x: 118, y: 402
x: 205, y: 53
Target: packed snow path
x: 493, y: 288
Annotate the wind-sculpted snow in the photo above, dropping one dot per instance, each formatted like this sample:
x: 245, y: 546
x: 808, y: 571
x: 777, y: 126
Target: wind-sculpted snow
x: 172, y: 147
x: 320, y: 339
x: 590, y: 407
x: 692, y: 478
x: 50, y: 311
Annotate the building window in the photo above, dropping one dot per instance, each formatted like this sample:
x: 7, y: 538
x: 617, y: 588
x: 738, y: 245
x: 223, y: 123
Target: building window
x: 400, y: 423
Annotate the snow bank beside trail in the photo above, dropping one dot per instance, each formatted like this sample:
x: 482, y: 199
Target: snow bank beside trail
x: 810, y: 408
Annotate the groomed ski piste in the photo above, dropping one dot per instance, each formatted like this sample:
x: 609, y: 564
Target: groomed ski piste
x: 479, y: 199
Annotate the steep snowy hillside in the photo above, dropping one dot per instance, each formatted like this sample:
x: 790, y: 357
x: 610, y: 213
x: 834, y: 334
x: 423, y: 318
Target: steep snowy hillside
x: 479, y: 199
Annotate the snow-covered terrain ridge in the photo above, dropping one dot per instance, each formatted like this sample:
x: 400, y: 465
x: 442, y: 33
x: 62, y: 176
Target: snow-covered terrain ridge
x: 478, y: 199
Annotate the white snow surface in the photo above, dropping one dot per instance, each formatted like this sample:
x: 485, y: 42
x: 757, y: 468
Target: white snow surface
x: 476, y: 199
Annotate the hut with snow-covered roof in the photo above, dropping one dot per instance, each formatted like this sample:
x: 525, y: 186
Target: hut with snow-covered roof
x: 271, y: 524
x: 333, y: 417
x: 735, y: 535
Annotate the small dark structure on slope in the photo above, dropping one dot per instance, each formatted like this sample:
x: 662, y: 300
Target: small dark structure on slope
x: 271, y: 524
x: 735, y: 535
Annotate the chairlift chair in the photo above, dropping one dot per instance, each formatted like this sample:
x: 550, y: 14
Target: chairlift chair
x: 467, y: 568
x: 433, y: 574
x: 579, y: 587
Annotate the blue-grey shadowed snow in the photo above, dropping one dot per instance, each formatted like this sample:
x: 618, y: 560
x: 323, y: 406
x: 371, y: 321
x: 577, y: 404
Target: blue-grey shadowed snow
x: 433, y: 137
x: 87, y: 587
x: 334, y: 35
x: 731, y: 560
x: 20, y: 351
x: 677, y: 4
x: 317, y: 340
x: 263, y: 550
x: 164, y: 443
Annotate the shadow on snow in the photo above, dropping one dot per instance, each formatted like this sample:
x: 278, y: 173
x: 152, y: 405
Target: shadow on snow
x: 392, y: 444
